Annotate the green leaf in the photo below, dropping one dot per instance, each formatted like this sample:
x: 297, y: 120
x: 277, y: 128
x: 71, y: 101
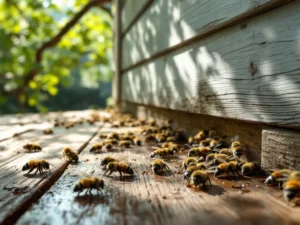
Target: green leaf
x: 32, y: 101
x: 52, y: 90
x: 33, y: 85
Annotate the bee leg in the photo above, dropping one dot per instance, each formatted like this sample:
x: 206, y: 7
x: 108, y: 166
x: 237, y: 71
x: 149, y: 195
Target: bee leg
x: 167, y: 167
x: 32, y: 168
x: 110, y: 173
x: 209, y: 181
x: 37, y: 169
x: 90, y: 191
x: 106, y: 171
x: 121, y: 176
x: 86, y: 191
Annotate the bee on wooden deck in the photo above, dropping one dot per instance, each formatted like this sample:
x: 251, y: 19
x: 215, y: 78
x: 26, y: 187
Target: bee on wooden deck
x: 236, y: 148
x: 150, y: 137
x: 113, y: 135
x: 48, y: 131
x: 198, y: 177
x: 118, y: 167
x: 103, y: 136
x: 193, y: 167
x: 137, y: 141
x: 249, y: 168
x: 32, y: 147
x: 225, y: 151
x: 189, y: 160
x: 124, y: 144
x: 69, y: 125
x: 230, y: 167
x: 198, y: 151
x: 110, y: 141
x: 38, y: 164
x: 291, y: 189
x: 126, y: 137
x: 108, y: 160
x: 159, y: 166
x: 69, y: 154
x: 96, y: 147
x: 151, y: 122
x: 88, y: 184
x: 160, y: 138
x: 213, y: 156
x: 201, y: 135
x: 108, y: 147
x: 277, y: 177
x: 162, y: 152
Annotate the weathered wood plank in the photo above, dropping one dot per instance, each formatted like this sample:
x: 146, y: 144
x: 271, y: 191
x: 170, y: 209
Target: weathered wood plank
x: 280, y: 149
x: 169, y: 23
x: 248, y: 74
x: 36, y: 118
x: 150, y: 199
x: 18, y: 189
x: 130, y: 10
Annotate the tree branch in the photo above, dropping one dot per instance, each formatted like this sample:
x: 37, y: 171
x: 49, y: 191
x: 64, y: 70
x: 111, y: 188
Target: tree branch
x: 107, y: 10
x: 55, y: 40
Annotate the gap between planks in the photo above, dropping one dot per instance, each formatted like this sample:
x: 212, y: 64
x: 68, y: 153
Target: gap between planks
x: 41, y: 189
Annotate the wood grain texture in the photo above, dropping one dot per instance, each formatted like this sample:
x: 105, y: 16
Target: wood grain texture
x: 169, y: 23
x: 130, y: 10
x: 280, y: 149
x: 17, y: 187
x: 150, y: 199
x: 247, y: 74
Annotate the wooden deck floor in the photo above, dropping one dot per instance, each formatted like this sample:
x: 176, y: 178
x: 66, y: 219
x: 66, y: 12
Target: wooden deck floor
x: 142, y: 199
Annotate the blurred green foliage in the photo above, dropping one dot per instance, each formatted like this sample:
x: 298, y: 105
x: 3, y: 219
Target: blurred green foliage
x: 85, y: 49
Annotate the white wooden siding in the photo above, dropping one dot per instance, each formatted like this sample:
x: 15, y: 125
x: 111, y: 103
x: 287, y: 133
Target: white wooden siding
x: 249, y: 74
x: 169, y: 22
x: 130, y: 10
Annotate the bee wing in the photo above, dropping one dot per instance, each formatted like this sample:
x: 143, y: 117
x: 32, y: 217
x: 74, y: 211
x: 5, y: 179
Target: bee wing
x: 211, y: 171
x: 83, y: 174
x: 122, y: 159
x: 155, y: 147
x: 284, y: 179
x: 220, y: 160
x: 236, y: 138
x: 189, y: 146
x: 271, y: 170
x: 217, y: 147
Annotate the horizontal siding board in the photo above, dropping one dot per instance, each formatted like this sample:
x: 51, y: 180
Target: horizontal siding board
x: 214, y: 76
x: 130, y: 10
x: 167, y: 23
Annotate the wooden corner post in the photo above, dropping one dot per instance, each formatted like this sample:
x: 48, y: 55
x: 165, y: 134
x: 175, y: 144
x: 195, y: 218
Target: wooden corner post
x: 117, y: 53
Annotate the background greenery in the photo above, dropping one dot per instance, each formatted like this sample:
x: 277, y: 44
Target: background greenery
x: 75, y: 73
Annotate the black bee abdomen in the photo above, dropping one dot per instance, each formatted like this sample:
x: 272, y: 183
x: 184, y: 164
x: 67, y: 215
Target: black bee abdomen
x: 129, y: 170
x: 25, y: 167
